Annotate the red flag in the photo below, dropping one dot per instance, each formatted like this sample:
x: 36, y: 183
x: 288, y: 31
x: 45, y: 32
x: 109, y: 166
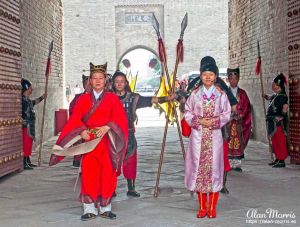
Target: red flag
x: 258, y: 66
x: 48, y: 68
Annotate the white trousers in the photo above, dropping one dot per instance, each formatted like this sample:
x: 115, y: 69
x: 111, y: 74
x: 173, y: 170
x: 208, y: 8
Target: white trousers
x: 90, y: 208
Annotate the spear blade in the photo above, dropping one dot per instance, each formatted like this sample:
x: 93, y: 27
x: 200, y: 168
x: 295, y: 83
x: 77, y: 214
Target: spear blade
x: 50, y: 48
x: 258, y: 49
x: 183, y: 25
x: 155, y: 25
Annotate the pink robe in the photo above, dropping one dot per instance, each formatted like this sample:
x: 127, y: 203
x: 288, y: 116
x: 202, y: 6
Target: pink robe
x: 210, y: 173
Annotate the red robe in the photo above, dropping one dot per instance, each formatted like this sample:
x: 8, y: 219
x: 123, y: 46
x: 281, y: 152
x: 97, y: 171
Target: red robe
x: 240, y: 130
x: 71, y: 108
x: 100, y: 166
x: 73, y: 103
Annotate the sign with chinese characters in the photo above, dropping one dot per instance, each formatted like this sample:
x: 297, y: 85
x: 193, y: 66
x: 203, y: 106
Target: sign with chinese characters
x: 138, y: 18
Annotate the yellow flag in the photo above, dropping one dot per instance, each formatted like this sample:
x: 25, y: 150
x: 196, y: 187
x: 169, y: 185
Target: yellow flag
x: 132, y: 82
x: 167, y: 107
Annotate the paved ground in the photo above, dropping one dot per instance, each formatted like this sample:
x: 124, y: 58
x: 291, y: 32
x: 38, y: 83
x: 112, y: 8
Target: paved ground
x: 45, y: 196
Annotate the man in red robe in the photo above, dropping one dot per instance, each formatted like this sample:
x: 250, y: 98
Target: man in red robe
x: 85, y: 82
x: 97, y: 116
x: 240, y: 125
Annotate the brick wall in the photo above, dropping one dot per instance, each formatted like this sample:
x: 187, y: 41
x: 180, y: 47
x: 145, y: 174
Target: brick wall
x: 96, y: 31
x: 294, y: 77
x: 41, y: 22
x: 10, y: 100
x: 266, y: 21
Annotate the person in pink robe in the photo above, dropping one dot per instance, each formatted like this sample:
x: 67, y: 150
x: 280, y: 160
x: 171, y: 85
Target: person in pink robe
x: 206, y: 111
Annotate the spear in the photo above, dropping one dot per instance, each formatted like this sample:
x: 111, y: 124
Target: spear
x: 163, y: 59
x: 161, y: 47
x: 258, y: 71
x: 47, y: 73
x: 179, y: 58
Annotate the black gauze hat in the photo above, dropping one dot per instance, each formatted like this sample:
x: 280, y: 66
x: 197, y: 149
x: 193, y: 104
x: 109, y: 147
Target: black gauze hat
x: 280, y: 80
x: 26, y: 84
x: 236, y: 70
x: 84, y: 77
x: 206, y: 60
x: 208, y: 63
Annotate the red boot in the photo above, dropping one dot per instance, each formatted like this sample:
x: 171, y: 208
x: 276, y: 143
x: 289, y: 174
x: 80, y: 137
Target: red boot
x: 213, y: 200
x: 202, y: 197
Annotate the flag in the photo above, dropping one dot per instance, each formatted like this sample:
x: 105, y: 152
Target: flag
x: 167, y: 107
x: 132, y: 82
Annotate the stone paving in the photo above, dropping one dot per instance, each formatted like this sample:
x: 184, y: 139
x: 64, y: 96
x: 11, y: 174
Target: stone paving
x: 45, y: 196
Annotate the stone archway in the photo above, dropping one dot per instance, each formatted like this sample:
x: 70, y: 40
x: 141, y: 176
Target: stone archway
x: 145, y: 61
x: 143, y: 69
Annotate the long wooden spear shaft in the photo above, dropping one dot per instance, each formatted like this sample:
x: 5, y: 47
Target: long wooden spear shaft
x: 263, y: 99
x: 163, y: 59
x: 161, y: 157
x: 136, y: 77
x: 179, y: 58
x: 47, y: 73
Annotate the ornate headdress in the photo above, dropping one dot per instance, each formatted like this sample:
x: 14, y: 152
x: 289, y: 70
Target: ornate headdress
x: 98, y: 68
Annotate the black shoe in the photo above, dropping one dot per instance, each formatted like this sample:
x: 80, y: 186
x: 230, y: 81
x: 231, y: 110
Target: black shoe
x: 88, y: 216
x: 109, y: 215
x: 26, y: 164
x: 32, y: 165
x: 27, y: 167
x: 237, y: 169
x: 76, y: 163
x: 273, y: 163
x: 133, y: 194
x: 29, y: 162
x: 279, y: 164
x: 224, y: 190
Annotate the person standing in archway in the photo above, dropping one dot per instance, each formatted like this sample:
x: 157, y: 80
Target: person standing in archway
x: 131, y: 102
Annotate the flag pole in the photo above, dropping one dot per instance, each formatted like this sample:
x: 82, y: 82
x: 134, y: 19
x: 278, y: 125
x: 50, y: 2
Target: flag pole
x: 258, y: 71
x: 47, y: 73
